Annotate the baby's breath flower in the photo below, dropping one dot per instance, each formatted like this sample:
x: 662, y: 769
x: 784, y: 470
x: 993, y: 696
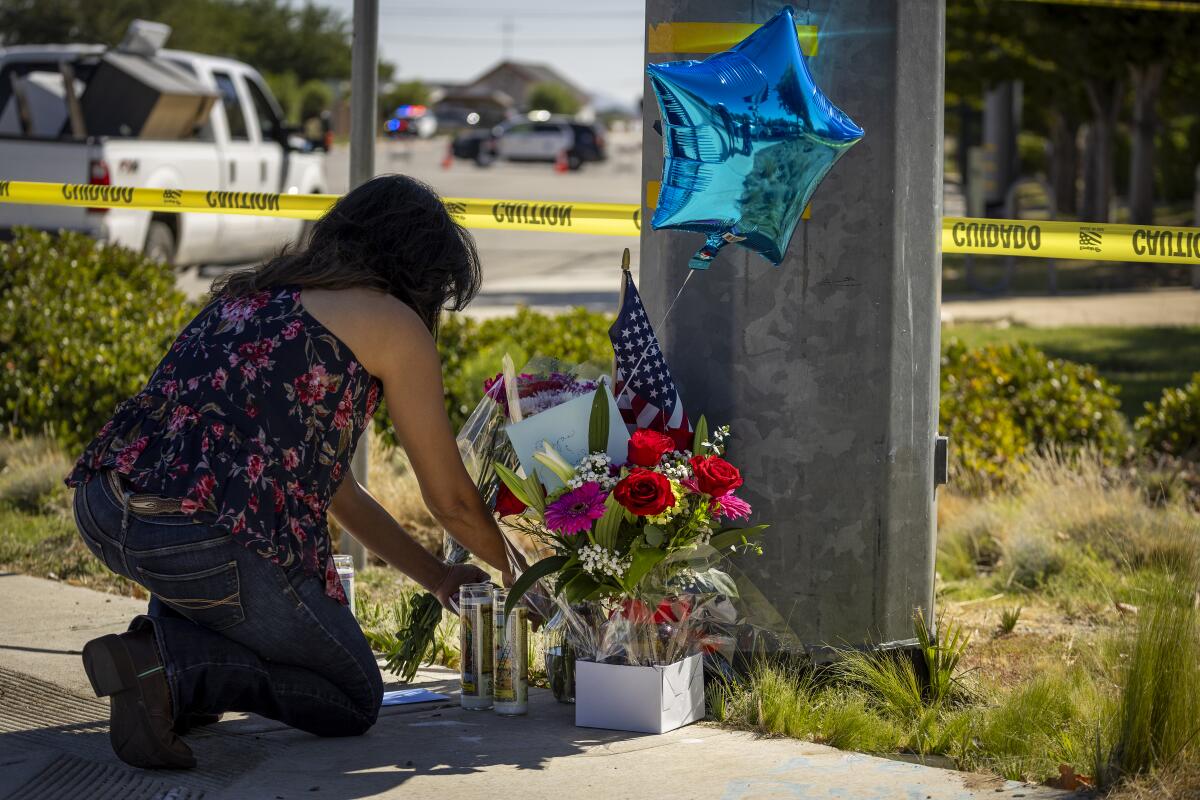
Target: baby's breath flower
x: 599, y: 561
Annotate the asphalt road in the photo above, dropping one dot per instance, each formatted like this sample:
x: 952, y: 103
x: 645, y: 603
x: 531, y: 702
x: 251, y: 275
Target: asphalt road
x: 548, y: 271
x: 544, y: 270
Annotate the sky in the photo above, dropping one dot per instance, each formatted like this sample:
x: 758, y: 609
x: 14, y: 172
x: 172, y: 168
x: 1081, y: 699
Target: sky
x: 598, y: 46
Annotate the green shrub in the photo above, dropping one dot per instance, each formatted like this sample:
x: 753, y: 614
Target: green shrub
x: 82, y: 326
x: 1003, y: 402
x: 472, y: 351
x: 1172, y: 426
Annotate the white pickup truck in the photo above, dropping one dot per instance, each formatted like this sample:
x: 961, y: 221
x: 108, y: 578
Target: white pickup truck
x: 242, y: 145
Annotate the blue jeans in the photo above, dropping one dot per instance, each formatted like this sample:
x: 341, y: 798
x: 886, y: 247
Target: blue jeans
x: 235, y: 631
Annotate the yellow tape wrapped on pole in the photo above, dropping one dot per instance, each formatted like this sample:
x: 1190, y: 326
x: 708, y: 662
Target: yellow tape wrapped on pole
x: 991, y: 237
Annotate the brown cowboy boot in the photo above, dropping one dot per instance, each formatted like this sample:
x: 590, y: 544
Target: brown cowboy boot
x: 127, y: 670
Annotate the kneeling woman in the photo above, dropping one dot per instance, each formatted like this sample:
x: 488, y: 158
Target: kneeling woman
x: 210, y: 487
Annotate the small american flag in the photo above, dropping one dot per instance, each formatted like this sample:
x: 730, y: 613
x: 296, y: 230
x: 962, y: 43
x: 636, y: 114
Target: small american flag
x: 645, y: 392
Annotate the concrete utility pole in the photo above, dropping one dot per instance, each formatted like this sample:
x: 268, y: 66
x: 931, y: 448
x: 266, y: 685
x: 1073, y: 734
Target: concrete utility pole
x: 364, y: 80
x: 827, y: 366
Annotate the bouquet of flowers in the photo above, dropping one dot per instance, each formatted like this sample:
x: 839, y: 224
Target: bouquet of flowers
x: 632, y: 542
x: 544, y: 384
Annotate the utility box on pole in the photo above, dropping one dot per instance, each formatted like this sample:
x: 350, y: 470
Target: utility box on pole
x: 827, y: 365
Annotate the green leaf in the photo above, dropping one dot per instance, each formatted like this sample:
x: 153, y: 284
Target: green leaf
x: 547, y: 566
x: 733, y: 536
x: 701, y: 435
x: 536, y: 492
x: 566, y: 575
x: 598, y: 422
x: 644, y: 560
x: 580, y: 588
x: 515, y: 483
x: 605, y: 532
x: 654, y: 535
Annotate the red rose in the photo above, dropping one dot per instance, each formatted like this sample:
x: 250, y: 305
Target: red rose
x: 715, y: 475
x: 644, y: 493
x: 507, y: 503
x: 646, y: 447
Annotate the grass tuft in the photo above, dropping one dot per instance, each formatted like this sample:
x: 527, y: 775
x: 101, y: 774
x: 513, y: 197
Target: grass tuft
x: 1009, y: 618
x: 1051, y: 720
x: 1158, y: 725
x: 890, y: 680
x: 31, y: 475
x: 943, y: 652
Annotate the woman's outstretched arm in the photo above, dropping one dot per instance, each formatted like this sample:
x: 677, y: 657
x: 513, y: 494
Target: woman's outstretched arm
x: 394, y: 345
x: 359, y: 513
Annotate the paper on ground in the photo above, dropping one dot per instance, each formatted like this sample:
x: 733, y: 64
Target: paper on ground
x: 402, y: 697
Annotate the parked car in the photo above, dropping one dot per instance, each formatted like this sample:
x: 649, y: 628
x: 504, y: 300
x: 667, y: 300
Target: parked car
x: 534, y: 140
x: 455, y: 120
x: 478, y: 145
x: 231, y: 137
x: 411, y: 120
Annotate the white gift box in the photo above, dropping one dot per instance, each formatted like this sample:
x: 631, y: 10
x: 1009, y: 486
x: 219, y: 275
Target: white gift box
x: 644, y: 699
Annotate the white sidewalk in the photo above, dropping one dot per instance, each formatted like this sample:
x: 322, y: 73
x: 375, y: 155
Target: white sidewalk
x: 54, y: 742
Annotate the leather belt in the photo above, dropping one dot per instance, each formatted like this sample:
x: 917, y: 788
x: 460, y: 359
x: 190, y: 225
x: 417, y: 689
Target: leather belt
x: 142, y: 503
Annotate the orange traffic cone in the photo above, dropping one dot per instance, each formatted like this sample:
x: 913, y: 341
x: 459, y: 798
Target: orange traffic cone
x: 448, y: 159
x: 560, y: 163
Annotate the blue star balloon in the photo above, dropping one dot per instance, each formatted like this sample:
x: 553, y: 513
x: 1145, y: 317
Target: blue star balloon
x: 747, y: 136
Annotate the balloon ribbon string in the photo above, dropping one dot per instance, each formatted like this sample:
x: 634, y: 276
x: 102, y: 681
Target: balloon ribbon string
x: 662, y: 321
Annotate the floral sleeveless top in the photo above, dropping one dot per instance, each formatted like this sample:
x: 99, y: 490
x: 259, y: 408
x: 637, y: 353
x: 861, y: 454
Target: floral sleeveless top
x: 250, y: 421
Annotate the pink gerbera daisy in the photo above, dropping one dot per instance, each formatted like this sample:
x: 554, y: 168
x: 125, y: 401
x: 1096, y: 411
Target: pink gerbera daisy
x: 575, y: 511
x: 730, y: 506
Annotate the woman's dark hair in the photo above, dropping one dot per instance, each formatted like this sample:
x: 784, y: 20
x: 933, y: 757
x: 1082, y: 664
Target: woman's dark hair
x: 393, y: 234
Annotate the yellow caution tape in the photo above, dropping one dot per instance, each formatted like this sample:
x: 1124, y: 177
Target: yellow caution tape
x: 1026, y: 238
x: 609, y: 219
x: 713, y: 37
x: 296, y: 206
x: 1084, y: 240
x: 606, y: 219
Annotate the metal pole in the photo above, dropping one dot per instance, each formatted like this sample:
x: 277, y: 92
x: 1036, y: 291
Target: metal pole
x: 364, y: 79
x: 827, y: 366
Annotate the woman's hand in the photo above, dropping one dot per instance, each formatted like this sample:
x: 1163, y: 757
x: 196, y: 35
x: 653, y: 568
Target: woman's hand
x: 456, y: 575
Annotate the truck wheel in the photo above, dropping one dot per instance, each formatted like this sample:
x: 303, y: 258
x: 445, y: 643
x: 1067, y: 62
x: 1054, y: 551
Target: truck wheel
x: 160, y: 243
x: 574, y: 162
x: 483, y: 159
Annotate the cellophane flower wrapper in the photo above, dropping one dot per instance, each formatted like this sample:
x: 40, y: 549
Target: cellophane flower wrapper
x: 541, y: 384
x: 709, y: 607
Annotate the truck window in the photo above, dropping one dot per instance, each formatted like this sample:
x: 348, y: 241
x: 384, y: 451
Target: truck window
x: 233, y: 107
x: 204, y: 133
x: 268, y: 121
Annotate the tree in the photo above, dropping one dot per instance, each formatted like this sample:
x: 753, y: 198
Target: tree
x: 311, y: 41
x: 553, y: 97
x: 286, y: 89
x: 315, y: 97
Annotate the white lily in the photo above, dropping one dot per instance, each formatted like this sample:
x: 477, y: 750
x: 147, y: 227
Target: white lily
x: 553, y: 461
